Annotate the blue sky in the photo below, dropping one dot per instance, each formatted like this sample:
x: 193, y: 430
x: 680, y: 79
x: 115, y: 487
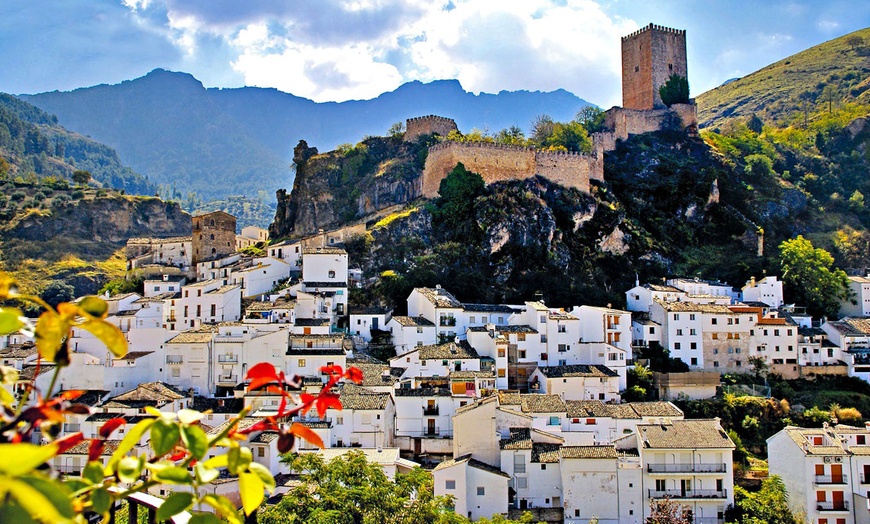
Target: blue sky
x: 356, y: 49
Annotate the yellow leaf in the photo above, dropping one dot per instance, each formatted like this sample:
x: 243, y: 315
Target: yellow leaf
x: 189, y: 416
x: 94, y: 306
x: 251, y: 491
x: 8, y: 286
x: 10, y: 320
x: 110, y: 335
x: 51, y: 329
x: 34, y: 502
x: 20, y: 458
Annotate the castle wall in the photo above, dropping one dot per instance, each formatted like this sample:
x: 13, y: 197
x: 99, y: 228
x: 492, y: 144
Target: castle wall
x: 649, y: 57
x: 495, y: 162
x: 214, y: 236
x: 625, y: 122
x: 426, y: 125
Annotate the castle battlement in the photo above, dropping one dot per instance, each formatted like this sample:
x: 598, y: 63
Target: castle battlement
x: 426, y: 125
x: 654, y: 27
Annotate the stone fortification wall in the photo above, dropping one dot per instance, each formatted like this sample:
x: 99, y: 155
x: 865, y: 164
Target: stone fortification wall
x: 626, y: 122
x: 496, y: 162
x: 492, y: 161
x: 426, y: 125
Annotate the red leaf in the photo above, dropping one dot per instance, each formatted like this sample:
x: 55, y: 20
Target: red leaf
x: 354, y: 375
x: 64, y: 443
x: 283, y: 405
x: 304, y: 432
x: 326, y: 401
x: 79, y: 409
x: 332, y: 370
x: 307, y: 398
x: 96, y: 449
x: 264, y: 425
x: 178, y: 455
x: 259, y: 383
x: 263, y: 370
x: 71, y: 394
x: 111, y: 426
x: 285, y: 442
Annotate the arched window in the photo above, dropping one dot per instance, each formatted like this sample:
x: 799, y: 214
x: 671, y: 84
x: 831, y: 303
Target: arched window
x: 212, y: 236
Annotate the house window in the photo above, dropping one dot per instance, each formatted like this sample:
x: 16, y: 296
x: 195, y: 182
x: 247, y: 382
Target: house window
x: 521, y: 337
x: 591, y: 422
x: 301, y: 363
x: 472, y: 319
x: 563, y: 348
x: 562, y: 328
x: 543, y: 467
x: 553, y: 421
x: 715, y: 336
x: 679, y: 332
x: 694, y: 361
x: 419, y: 329
x: 543, y: 319
x: 692, y: 316
x: 522, y: 482
x: 331, y: 274
x: 450, y: 484
x: 693, y: 345
x: 714, y: 321
x: 481, y: 491
x: 339, y: 421
x: 676, y: 316
x: 692, y: 332
x: 261, y: 451
x: 213, y: 309
x: 519, y: 463
x: 652, y: 331
x: 676, y: 345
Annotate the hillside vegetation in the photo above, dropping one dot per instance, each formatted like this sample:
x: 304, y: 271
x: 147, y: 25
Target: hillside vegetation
x: 781, y: 93
x: 33, y: 145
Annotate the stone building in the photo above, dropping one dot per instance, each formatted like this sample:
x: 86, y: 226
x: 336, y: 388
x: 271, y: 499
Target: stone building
x: 214, y: 236
x: 649, y: 57
x: 426, y: 125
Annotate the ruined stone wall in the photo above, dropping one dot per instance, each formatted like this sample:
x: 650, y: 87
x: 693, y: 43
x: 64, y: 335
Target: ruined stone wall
x: 426, y: 125
x: 214, y: 236
x: 569, y: 169
x: 649, y: 57
x: 626, y: 122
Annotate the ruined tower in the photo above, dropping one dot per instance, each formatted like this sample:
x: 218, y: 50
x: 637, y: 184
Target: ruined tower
x: 649, y: 57
x: 214, y: 236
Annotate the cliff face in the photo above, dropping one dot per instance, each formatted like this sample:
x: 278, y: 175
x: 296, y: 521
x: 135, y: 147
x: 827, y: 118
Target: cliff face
x: 345, y: 185
x: 108, y: 220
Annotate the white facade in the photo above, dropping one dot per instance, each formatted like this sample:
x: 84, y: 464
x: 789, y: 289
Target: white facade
x: 767, y: 290
x: 478, y: 489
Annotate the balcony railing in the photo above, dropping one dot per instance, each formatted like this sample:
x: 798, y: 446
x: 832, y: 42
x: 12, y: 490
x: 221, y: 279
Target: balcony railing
x: 447, y: 321
x: 689, y: 493
x: 431, y: 431
x: 833, y: 506
x: 430, y: 411
x: 233, y: 379
x: 229, y: 359
x: 686, y: 468
x: 831, y: 479
x: 72, y: 428
x: 174, y: 359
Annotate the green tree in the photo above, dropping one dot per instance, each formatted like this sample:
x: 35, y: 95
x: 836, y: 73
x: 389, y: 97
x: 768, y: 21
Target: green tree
x: 350, y: 489
x: 591, y: 118
x: 58, y: 291
x: 542, y: 128
x: 454, y: 209
x: 675, y: 90
x: 396, y: 130
x: 811, y: 277
x: 81, y: 176
x: 512, y: 135
x: 769, y: 505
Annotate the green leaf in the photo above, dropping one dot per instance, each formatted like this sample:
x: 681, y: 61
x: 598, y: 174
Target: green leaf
x: 19, y: 459
x: 129, y: 442
x: 189, y: 416
x: 174, y: 504
x: 33, y: 501
x: 129, y: 469
x: 14, y: 514
x: 164, y: 436
x: 264, y: 474
x: 93, y: 472
x: 224, y: 506
x: 195, y: 440
x: 108, y: 334
x: 173, y: 475
x: 54, y: 491
x: 251, y: 491
x: 203, y: 518
x: 10, y: 320
x: 94, y: 306
x: 101, y: 500
x: 205, y: 475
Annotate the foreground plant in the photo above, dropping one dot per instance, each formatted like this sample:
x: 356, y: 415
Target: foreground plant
x: 179, y: 454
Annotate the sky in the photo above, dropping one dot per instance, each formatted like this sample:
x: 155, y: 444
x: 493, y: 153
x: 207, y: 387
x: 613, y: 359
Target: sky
x: 336, y: 50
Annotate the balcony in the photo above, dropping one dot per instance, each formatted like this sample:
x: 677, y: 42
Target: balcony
x: 686, y: 468
x: 228, y: 379
x: 174, y: 359
x: 689, y: 494
x: 865, y: 478
x: 431, y: 431
x: 833, y: 506
x: 430, y: 411
x: 830, y: 479
x: 228, y: 359
x: 447, y: 321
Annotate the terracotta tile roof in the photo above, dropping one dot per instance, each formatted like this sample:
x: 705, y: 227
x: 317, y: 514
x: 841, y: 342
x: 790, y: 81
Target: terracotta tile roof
x: 691, y: 307
x: 578, y: 370
x: 656, y: 409
x: 545, y: 453
x: 29, y: 372
x: 245, y: 423
x: 377, y: 374
x: 308, y: 284
x: 589, y: 452
x: 135, y: 355
x: 663, y: 288
x: 18, y: 350
x: 312, y: 322
x: 439, y: 297
x: 852, y: 326
x: 520, y: 328
x: 264, y: 437
x: 520, y: 438
x: 82, y: 448
x: 586, y: 408
x: 474, y: 463
x: 413, y: 321
x: 487, y: 308
x: 472, y: 374
x: 354, y: 397
x: 200, y: 335
x: 539, y: 403
x: 684, y: 434
x: 149, y: 393
x: 561, y: 315
x: 323, y: 251
x: 450, y: 350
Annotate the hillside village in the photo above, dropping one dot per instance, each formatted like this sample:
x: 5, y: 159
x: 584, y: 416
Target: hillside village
x: 514, y: 407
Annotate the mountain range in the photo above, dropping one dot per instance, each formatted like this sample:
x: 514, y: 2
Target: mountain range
x: 221, y: 142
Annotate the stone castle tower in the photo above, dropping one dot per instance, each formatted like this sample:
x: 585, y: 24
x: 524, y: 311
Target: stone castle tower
x: 214, y: 236
x: 649, y: 57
